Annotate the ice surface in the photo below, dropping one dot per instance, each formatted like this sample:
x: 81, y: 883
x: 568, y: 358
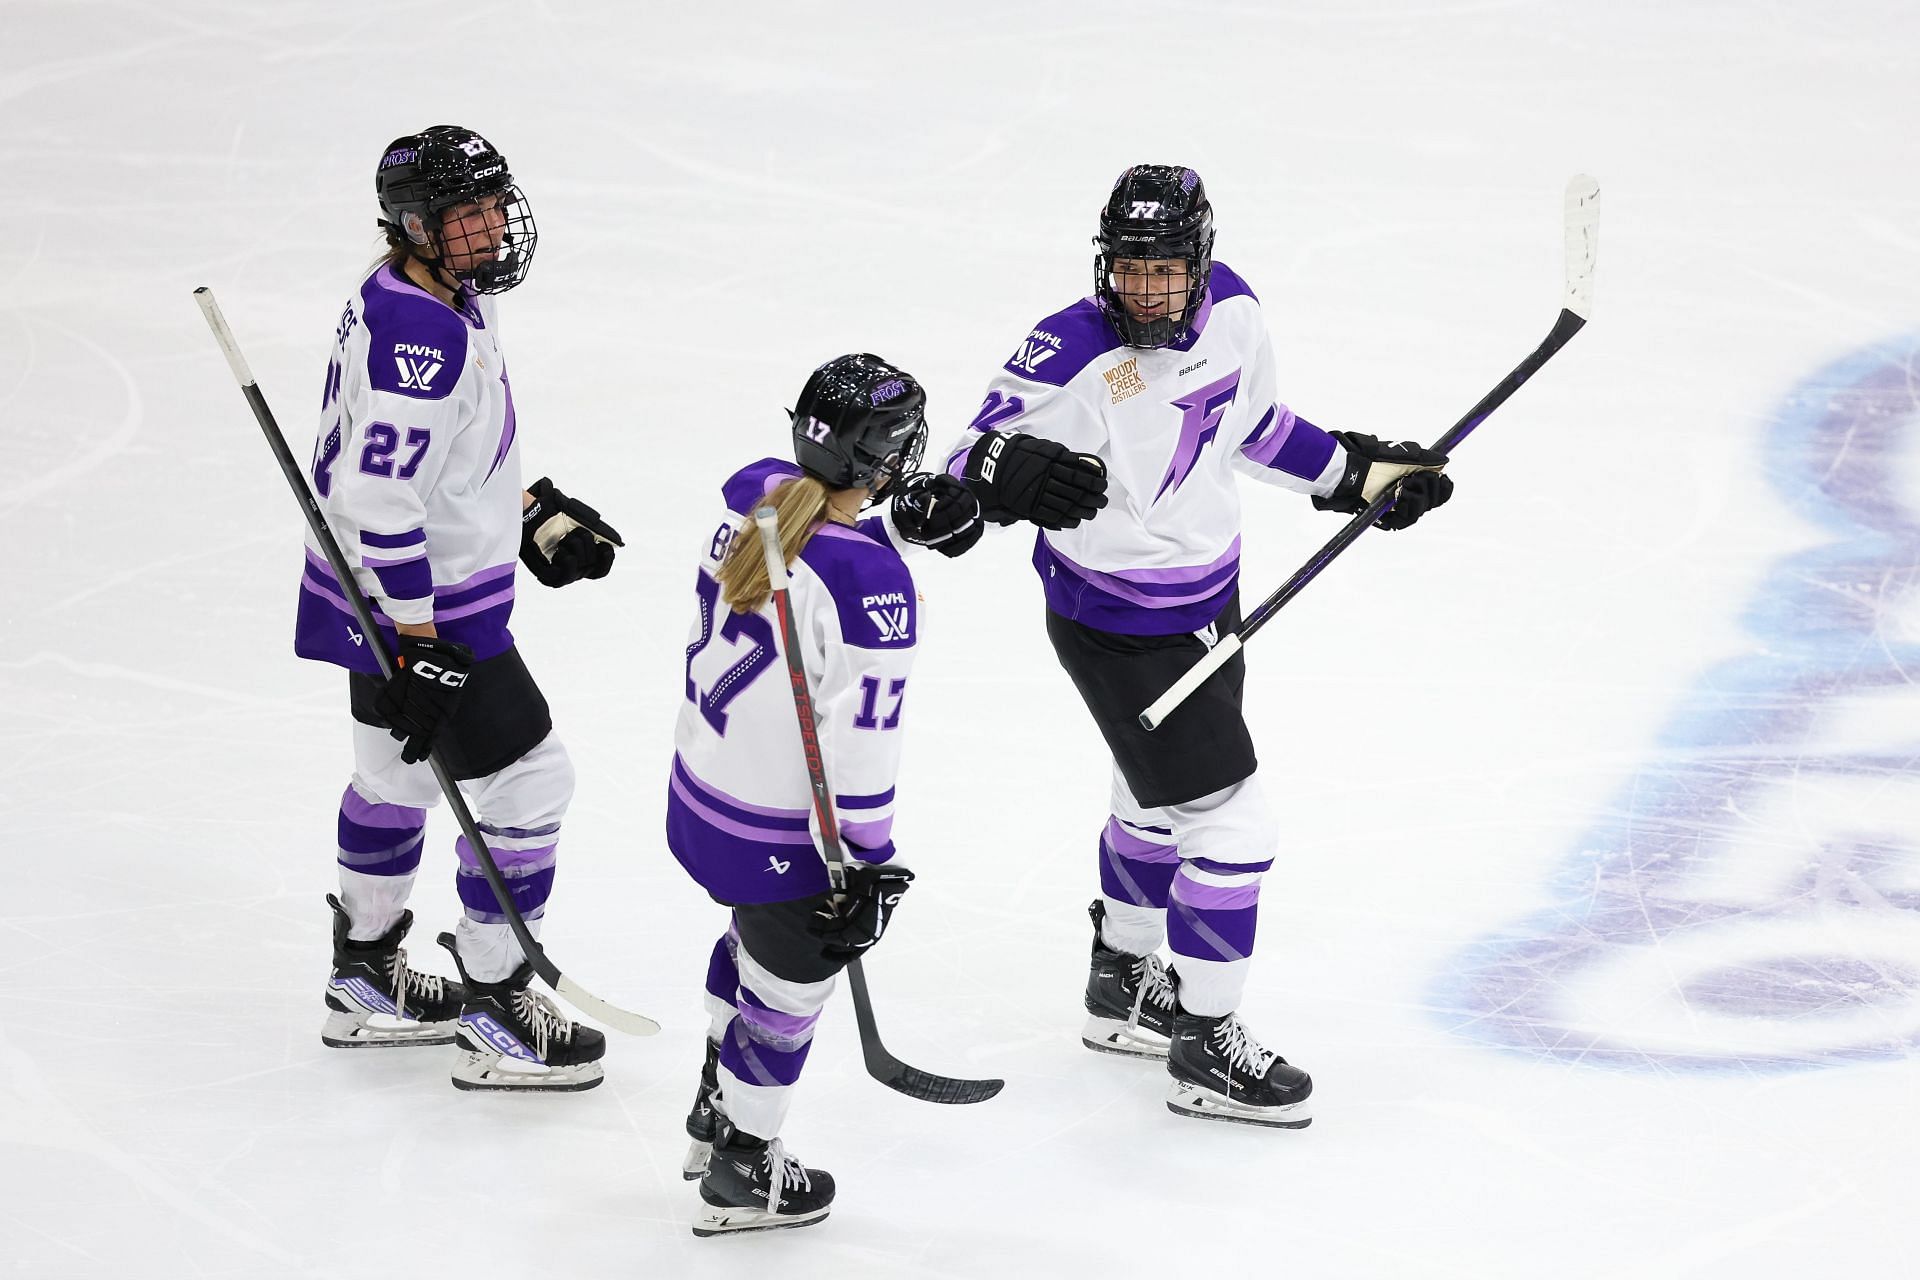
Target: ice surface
x: 1597, y: 914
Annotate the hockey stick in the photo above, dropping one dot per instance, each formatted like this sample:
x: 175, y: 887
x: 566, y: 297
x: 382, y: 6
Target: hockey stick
x: 881, y: 1065
x: 566, y: 988
x: 1582, y: 230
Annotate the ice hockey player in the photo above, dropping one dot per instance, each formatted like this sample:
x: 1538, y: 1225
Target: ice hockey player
x: 739, y: 798
x: 1165, y: 375
x: 417, y: 468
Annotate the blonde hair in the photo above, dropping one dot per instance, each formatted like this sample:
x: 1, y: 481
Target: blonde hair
x: 801, y: 504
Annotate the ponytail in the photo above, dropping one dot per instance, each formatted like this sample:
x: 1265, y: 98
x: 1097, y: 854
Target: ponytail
x: 801, y: 504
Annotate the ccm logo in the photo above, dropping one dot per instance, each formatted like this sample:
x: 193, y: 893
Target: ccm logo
x: 438, y: 674
x: 992, y: 464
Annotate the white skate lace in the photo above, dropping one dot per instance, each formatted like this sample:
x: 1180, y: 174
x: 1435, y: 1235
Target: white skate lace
x: 1241, y: 1049
x: 406, y: 982
x: 783, y: 1171
x: 1151, y: 986
x: 543, y: 1019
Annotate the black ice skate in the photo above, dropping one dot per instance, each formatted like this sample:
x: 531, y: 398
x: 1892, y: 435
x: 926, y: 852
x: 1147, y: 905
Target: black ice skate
x: 701, y: 1121
x: 375, y: 1001
x: 1222, y: 1073
x: 1129, y: 999
x: 512, y: 1038
x: 752, y: 1185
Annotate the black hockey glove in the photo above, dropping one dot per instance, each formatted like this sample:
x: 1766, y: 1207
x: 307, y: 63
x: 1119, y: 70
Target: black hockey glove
x: 562, y: 539
x: 1025, y: 478
x: 423, y: 692
x: 937, y: 511
x: 853, y: 919
x: 1372, y: 465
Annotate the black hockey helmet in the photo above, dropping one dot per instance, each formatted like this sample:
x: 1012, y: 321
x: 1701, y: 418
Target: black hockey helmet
x: 860, y: 423
x: 1155, y: 211
x: 424, y: 174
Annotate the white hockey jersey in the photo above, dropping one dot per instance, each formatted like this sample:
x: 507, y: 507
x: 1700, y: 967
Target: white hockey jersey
x: 1172, y: 426
x: 739, y: 802
x: 418, y: 472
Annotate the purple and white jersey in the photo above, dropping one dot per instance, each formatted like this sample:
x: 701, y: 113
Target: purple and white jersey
x: 739, y: 803
x: 1172, y: 426
x: 418, y: 473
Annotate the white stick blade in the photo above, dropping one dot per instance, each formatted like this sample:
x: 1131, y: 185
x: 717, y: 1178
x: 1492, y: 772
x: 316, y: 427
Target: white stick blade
x: 223, y: 335
x: 612, y: 1014
x: 1583, y: 242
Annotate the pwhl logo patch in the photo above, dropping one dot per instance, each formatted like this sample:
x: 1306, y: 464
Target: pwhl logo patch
x: 1035, y: 350
x: 417, y: 365
x: 890, y: 615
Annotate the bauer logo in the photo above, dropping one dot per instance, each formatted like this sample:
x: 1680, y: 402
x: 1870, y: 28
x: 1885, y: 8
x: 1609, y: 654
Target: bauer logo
x: 891, y: 389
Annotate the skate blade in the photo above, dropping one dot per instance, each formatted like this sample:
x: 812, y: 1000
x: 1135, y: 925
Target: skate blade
x: 1184, y: 1099
x: 694, y: 1166
x: 717, y: 1221
x: 1111, y: 1035
x: 486, y: 1072
x: 381, y: 1031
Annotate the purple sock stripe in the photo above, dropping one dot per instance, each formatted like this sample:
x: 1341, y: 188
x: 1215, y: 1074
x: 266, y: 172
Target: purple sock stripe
x: 400, y: 860
x: 511, y: 861
x: 783, y: 1031
x: 1215, y: 897
x: 723, y: 975
x: 495, y: 916
x: 1210, y: 935
x: 1229, y: 868
x: 1134, y: 827
x: 1134, y: 849
x: 352, y: 838
x: 530, y: 893
x: 369, y: 813
x: 1144, y: 884
x: 759, y: 1063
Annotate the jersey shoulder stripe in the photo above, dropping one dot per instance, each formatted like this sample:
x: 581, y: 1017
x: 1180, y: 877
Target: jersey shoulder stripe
x: 416, y: 344
x: 870, y: 585
x: 1224, y: 283
x: 1063, y: 344
x: 746, y: 488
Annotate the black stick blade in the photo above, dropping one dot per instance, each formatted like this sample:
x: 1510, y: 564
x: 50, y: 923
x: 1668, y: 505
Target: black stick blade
x: 927, y: 1087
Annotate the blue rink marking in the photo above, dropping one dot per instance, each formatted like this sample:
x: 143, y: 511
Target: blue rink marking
x: 1750, y: 901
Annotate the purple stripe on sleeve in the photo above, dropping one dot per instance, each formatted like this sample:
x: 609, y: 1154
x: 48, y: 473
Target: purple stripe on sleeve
x: 411, y: 538
x: 472, y: 607
x: 478, y: 583
x: 865, y: 802
x: 410, y: 581
x: 1295, y: 446
x: 870, y: 836
x: 388, y: 562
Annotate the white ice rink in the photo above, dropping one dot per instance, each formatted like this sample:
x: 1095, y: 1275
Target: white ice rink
x: 1597, y: 914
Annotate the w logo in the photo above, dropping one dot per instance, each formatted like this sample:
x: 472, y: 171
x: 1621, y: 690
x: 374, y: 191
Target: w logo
x: 892, y: 624
x: 416, y: 375
x: 1032, y: 355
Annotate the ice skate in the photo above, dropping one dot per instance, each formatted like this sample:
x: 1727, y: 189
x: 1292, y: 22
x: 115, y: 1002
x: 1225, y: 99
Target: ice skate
x: 1130, y: 999
x: 1222, y: 1073
x: 752, y: 1185
x: 375, y: 1001
x: 512, y: 1038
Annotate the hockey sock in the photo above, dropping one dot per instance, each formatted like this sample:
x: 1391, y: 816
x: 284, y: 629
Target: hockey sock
x: 379, y: 852
x: 1210, y: 926
x: 1137, y: 864
x: 723, y: 985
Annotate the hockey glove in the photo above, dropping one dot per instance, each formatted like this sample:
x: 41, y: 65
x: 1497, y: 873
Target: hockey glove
x: 422, y: 693
x: 937, y: 511
x: 852, y: 919
x: 1373, y: 465
x: 1025, y: 478
x: 562, y: 539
